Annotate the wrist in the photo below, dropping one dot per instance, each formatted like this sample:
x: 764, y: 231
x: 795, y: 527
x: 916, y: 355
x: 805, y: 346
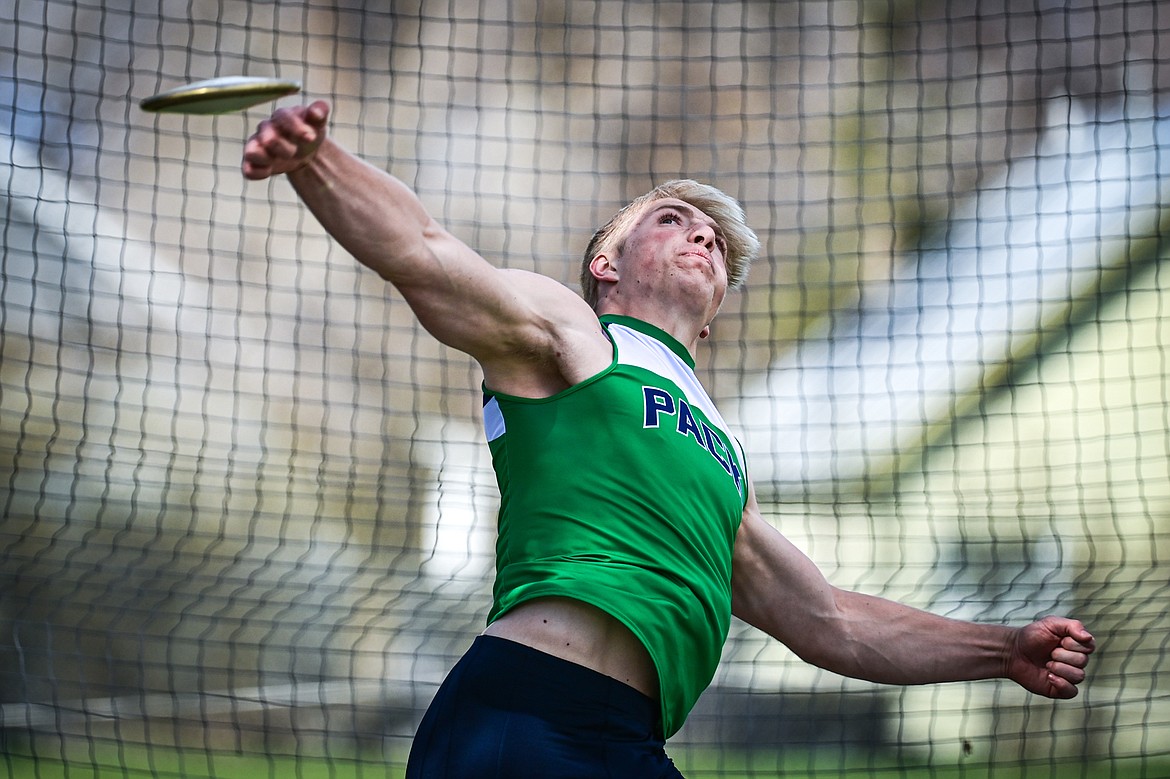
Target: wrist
x: 1009, y: 651
x: 301, y: 167
x: 308, y: 158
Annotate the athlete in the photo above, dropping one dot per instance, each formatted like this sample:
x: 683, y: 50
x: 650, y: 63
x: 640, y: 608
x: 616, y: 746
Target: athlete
x: 628, y: 530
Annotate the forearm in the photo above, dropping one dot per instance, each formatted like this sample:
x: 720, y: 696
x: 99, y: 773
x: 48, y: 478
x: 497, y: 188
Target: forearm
x: 455, y: 293
x: 883, y: 641
x: 778, y: 589
x: 509, y: 321
x: 376, y: 217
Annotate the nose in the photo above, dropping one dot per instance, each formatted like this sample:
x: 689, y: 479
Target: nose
x: 705, y: 235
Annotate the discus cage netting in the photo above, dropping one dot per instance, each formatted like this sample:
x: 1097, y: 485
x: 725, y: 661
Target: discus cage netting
x: 248, y: 516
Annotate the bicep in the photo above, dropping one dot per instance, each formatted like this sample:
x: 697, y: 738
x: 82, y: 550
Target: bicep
x: 777, y: 588
x: 496, y: 315
x: 457, y: 295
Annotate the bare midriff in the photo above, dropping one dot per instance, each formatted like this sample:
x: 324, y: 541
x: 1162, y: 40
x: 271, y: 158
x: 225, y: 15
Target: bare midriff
x: 582, y: 634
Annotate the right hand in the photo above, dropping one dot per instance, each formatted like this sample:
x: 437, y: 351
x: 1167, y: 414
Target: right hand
x: 1049, y: 656
x: 286, y: 141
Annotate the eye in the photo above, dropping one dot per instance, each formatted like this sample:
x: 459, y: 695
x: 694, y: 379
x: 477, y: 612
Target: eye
x: 669, y: 217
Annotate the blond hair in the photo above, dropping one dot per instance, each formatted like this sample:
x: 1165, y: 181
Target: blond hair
x: 742, y: 244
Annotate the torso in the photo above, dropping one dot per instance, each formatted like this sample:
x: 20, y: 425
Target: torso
x: 581, y: 634
x: 564, y: 554
x: 569, y: 629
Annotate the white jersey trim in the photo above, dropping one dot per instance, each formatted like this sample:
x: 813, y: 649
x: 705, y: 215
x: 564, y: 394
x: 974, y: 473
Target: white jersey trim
x: 645, y: 351
x: 493, y: 420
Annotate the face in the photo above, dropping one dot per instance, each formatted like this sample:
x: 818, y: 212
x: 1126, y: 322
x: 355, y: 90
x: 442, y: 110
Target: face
x: 675, y: 251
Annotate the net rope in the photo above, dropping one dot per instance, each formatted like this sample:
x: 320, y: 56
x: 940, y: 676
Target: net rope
x: 246, y: 510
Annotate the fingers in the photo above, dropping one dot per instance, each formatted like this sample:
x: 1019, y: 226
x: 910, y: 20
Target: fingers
x: 1068, y: 660
x: 1051, y: 656
x: 285, y: 141
x: 275, y: 141
x: 1082, y: 646
x: 297, y: 126
x: 1065, y: 674
x: 1075, y: 631
x: 267, y: 147
x: 1064, y: 635
x: 1076, y: 659
x: 317, y: 114
x: 1082, y: 641
x: 1072, y: 671
x: 1061, y: 687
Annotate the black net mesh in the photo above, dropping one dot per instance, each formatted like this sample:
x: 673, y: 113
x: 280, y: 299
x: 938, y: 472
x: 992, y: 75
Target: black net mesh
x: 247, y: 514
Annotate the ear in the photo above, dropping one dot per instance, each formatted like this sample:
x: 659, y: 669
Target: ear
x: 603, y: 269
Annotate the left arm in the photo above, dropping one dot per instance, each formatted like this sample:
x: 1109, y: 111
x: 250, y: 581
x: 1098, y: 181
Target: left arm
x: 776, y: 588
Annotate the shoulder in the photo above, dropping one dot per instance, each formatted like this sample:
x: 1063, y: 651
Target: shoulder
x: 553, y: 307
x: 526, y: 281
x: 562, y: 344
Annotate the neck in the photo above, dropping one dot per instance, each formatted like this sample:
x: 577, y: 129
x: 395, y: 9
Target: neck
x: 682, y: 328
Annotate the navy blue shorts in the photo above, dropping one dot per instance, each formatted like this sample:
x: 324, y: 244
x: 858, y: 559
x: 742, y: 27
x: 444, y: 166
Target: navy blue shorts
x: 507, y: 711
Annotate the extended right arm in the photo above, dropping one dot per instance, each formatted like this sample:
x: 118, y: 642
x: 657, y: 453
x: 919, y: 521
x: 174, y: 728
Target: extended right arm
x: 531, y: 334
x: 779, y: 590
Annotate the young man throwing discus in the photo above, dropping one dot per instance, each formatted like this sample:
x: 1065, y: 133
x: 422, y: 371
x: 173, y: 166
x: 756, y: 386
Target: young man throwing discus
x: 628, y: 530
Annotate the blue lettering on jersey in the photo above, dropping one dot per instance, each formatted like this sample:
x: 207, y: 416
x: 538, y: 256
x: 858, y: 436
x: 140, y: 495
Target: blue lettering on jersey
x: 687, y: 424
x: 715, y: 446
x: 658, y: 403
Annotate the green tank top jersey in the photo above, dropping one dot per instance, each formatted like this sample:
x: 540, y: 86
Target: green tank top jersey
x: 625, y: 492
